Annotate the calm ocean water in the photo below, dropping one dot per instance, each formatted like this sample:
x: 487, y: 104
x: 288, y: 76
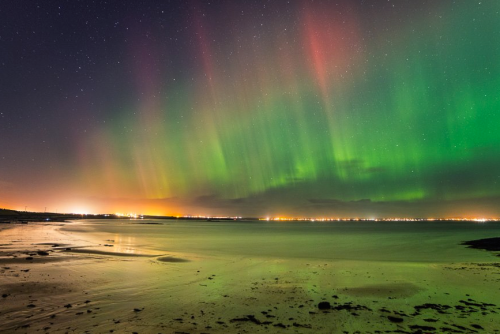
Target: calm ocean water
x: 362, y: 241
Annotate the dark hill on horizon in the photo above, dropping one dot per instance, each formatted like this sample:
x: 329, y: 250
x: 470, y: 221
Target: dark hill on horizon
x: 7, y: 212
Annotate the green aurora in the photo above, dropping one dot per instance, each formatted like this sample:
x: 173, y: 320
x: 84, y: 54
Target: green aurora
x: 303, y: 109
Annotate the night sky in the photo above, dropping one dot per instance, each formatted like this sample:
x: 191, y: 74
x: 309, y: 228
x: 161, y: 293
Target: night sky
x: 252, y: 108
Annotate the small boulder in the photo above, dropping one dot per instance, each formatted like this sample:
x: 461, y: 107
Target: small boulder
x: 395, y: 319
x: 324, y: 306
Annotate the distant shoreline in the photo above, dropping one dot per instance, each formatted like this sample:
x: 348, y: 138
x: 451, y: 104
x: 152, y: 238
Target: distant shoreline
x: 8, y: 216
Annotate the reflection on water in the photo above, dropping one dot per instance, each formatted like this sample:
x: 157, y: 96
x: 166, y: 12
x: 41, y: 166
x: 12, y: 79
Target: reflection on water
x: 366, y: 241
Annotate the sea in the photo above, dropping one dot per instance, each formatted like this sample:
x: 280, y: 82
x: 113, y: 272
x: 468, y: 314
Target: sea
x: 404, y: 241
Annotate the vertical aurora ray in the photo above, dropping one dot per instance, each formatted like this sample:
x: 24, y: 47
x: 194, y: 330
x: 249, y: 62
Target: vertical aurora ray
x: 320, y: 101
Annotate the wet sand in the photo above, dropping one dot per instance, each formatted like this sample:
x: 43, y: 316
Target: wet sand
x: 90, y: 283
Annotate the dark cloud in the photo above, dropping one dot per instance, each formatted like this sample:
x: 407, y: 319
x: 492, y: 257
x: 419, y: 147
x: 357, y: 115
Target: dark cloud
x: 270, y: 204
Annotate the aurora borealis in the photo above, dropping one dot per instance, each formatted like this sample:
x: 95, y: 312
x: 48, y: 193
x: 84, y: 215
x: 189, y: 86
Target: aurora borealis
x: 309, y: 108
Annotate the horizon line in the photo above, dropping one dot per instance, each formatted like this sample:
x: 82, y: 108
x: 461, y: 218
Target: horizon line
x: 260, y: 218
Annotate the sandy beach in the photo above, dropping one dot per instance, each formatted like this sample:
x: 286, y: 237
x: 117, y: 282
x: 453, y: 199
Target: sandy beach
x: 74, y: 278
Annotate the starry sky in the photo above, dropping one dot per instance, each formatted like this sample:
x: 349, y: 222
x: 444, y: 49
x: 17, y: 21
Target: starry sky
x: 299, y: 108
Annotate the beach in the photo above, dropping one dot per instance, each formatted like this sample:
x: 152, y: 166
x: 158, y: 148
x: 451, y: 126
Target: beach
x: 133, y: 276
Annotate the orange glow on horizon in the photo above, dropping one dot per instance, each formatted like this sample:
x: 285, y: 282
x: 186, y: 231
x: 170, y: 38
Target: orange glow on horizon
x: 185, y: 208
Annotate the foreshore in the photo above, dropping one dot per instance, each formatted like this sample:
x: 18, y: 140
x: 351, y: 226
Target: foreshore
x: 62, y: 278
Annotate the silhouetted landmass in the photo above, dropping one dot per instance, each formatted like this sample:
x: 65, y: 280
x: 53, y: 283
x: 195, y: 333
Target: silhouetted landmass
x: 11, y: 216
x: 8, y: 216
x: 7, y: 212
x: 490, y: 244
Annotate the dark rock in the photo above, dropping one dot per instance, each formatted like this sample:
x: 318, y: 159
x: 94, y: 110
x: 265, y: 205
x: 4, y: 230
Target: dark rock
x: 489, y: 244
x: 437, y: 307
x: 424, y: 328
x: 138, y: 309
x: 29, y: 258
x: 470, y: 303
x: 31, y: 305
x: 350, y: 307
x: 301, y: 325
x: 279, y: 325
x: 250, y: 318
x: 253, y: 319
x: 68, y: 305
x: 476, y: 326
x: 42, y: 253
x: 324, y: 306
x: 5, y: 295
x: 395, y: 319
x: 460, y: 327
